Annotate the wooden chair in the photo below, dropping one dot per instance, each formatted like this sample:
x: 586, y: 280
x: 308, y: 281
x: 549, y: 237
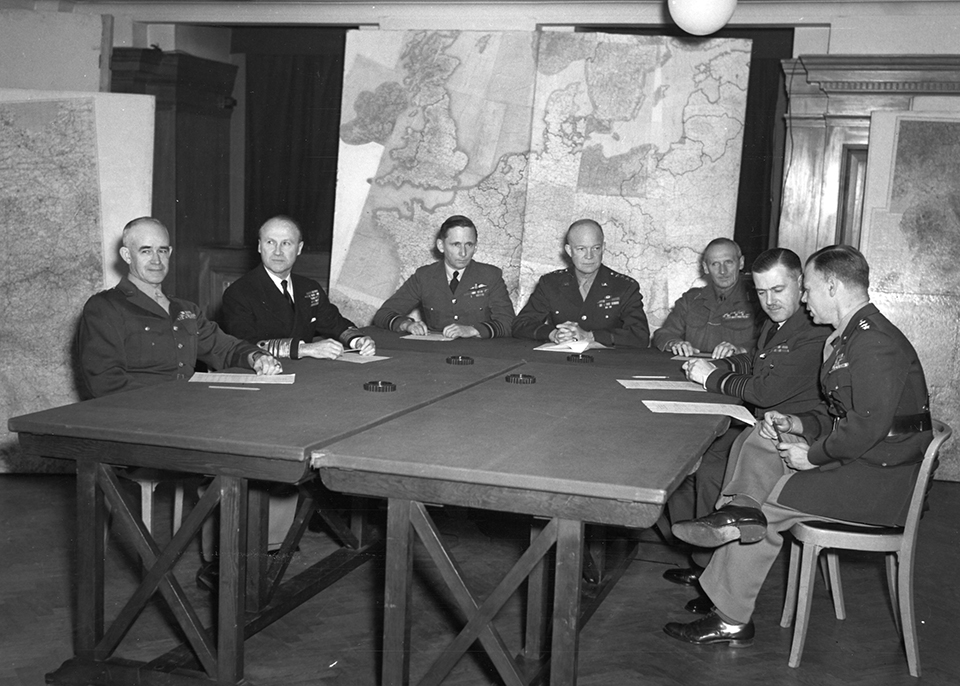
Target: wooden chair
x: 148, y: 480
x: 898, y: 543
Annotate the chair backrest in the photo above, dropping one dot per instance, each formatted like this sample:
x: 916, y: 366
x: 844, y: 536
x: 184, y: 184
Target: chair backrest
x: 941, y: 432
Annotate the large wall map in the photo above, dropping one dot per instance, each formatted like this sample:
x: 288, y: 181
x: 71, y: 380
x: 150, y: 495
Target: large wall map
x: 524, y: 133
x: 911, y: 238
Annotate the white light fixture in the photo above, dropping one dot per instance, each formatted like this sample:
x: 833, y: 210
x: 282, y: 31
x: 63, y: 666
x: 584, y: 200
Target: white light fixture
x: 701, y: 17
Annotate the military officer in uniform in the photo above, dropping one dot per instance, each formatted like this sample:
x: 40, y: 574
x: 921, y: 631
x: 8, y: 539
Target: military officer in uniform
x: 721, y: 318
x: 780, y: 375
x: 589, y: 302
x: 854, y: 458
x: 457, y: 296
x: 283, y: 312
x: 133, y: 335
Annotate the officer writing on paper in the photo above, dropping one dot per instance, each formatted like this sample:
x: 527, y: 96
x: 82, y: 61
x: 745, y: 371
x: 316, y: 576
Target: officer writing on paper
x: 588, y: 302
x: 282, y: 312
x: 458, y: 296
x: 720, y: 318
x: 133, y: 335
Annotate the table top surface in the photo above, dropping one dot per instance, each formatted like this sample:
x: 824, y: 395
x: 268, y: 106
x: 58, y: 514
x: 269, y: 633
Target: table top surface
x: 326, y: 403
x: 574, y: 431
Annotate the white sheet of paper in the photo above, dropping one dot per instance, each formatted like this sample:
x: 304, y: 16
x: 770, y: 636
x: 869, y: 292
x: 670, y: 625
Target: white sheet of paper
x: 571, y: 347
x: 431, y: 336
x: 211, y: 377
x: 654, y: 385
x: 361, y: 359
x: 673, y: 407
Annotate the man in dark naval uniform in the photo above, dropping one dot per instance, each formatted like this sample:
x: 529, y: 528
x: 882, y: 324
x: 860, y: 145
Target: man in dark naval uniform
x: 282, y: 312
x: 854, y: 458
x: 721, y: 318
x: 589, y: 302
x: 781, y: 375
x: 457, y: 296
x: 133, y: 335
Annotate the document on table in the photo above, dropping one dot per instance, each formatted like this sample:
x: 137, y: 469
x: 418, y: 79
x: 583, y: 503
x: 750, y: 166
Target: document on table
x: 355, y: 358
x: 430, y: 336
x: 210, y: 377
x: 738, y: 412
x: 571, y: 347
x: 654, y: 385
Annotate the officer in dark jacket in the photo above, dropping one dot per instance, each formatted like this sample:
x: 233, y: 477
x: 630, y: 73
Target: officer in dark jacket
x: 283, y: 312
x: 853, y: 458
x: 780, y: 375
x: 589, y: 302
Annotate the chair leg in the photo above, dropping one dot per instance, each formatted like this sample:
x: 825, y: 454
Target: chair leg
x: 891, y: 560
x: 790, y: 599
x: 808, y: 569
x: 178, y: 507
x: 836, y: 587
x: 146, y: 503
x: 907, y: 618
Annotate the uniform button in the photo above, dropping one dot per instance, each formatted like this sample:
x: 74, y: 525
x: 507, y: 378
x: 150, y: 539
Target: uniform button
x: 583, y: 318
x: 179, y: 345
x: 179, y: 364
x: 146, y: 328
x: 174, y: 328
x: 453, y: 300
x: 456, y: 316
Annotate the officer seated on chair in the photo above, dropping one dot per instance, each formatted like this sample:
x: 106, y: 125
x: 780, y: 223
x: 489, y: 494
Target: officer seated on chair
x: 853, y: 458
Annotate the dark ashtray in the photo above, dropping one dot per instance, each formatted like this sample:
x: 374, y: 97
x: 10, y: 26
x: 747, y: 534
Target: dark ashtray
x: 380, y: 386
x: 579, y: 358
x: 459, y: 359
x: 521, y: 378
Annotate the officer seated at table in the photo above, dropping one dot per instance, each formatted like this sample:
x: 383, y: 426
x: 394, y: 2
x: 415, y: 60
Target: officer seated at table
x: 282, y: 312
x: 133, y: 335
x: 721, y: 318
x: 587, y: 302
x: 456, y: 296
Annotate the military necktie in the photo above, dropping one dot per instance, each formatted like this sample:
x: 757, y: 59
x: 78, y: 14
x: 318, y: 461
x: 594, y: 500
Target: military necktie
x: 286, y: 293
x: 454, y: 282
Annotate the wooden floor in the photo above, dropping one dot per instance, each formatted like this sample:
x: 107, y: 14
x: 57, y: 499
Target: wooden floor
x: 335, y: 638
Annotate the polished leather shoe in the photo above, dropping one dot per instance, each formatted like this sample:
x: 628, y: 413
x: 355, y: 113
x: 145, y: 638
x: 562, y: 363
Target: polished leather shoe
x: 729, y: 523
x: 712, y: 630
x: 701, y: 605
x: 684, y: 576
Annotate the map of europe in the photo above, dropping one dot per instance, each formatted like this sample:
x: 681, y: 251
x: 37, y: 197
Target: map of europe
x: 525, y: 133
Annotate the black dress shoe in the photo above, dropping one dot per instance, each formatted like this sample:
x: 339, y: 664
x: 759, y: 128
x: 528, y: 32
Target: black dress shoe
x: 701, y: 605
x: 727, y: 524
x: 684, y: 576
x: 208, y: 576
x: 711, y: 630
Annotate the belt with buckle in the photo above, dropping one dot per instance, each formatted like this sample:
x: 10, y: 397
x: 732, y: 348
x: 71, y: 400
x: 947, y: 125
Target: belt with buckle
x: 910, y: 423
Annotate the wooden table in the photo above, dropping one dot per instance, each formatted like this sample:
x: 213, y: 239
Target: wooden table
x: 571, y: 448
x: 236, y: 436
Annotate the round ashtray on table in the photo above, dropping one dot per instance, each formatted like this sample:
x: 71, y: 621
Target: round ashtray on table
x: 380, y: 386
x: 459, y: 359
x: 579, y: 358
x: 521, y: 378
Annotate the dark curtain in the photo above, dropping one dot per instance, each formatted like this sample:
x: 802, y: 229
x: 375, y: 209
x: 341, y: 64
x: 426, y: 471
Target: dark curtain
x: 293, y: 122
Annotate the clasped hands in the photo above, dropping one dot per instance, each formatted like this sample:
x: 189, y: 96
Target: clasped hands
x: 570, y: 331
x: 795, y: 451
x: 418, y: 328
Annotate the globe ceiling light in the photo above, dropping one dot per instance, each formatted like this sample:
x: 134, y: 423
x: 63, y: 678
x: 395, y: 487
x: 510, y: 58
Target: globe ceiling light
x: 701, y: 17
